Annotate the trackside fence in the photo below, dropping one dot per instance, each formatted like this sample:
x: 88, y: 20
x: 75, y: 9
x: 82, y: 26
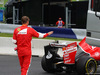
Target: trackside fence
x: 58, y: 32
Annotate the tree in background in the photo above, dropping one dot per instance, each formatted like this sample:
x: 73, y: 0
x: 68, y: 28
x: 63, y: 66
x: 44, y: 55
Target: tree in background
x: 2, y: 3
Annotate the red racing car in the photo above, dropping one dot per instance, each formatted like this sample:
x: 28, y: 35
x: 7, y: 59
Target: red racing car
x: 80, y: 58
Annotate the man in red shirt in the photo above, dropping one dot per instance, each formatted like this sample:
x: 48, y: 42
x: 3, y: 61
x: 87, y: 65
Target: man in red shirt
x: 22, y: 37
x: 60, y: 23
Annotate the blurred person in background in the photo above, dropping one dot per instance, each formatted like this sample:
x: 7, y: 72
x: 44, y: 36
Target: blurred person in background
x: 60, y: 23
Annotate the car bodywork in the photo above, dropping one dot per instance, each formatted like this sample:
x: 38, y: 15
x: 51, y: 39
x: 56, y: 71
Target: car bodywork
x: 80, y: 58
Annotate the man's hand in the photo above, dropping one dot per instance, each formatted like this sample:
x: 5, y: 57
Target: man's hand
x: 51, y: 32
x: 15, y: 48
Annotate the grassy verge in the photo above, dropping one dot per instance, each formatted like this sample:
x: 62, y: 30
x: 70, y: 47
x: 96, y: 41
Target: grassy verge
x: 51, y: 38
x: 6, y: 35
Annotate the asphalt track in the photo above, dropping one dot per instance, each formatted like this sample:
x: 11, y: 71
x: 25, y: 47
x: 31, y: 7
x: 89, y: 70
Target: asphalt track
x: 9, y: 65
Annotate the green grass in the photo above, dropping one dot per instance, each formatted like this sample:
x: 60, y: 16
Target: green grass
x: 5, y: 1
x: 51, y: 38
x: 6, y: 35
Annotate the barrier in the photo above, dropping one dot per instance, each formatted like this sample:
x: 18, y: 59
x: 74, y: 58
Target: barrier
x: 80, y: 33
x: 7, y: 47
x: 7, y: 28
x: 63, y: 32
x: 58, y: 32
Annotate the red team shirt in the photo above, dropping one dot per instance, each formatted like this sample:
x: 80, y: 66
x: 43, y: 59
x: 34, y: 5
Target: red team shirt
x: 60, y: 23
x: 22, y: 37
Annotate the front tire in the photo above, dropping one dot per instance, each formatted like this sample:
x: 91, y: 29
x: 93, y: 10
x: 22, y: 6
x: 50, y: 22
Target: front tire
x: 86, y: 65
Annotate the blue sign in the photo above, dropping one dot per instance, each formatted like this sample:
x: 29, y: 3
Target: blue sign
x: 58, y: 32
x: 1, y: 15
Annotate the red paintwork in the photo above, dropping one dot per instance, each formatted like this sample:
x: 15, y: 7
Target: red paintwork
x: 70, y: 50
x: 69, y: 53
x: 92, y: 50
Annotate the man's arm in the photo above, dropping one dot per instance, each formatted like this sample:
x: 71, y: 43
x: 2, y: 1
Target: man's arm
x: 40, y: 35
x: 14, y: 38
x: 63, y: 22
x: 57, y: 23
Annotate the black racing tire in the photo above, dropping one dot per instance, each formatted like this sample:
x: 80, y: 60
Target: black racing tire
x: 47, y: 67
x: 86, y: 65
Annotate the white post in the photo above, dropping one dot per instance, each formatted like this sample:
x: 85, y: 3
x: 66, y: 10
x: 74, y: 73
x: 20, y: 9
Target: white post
x: 66, y: 22
x: 16, y: 15
x: 13, y: 14
x: 69, y: 18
